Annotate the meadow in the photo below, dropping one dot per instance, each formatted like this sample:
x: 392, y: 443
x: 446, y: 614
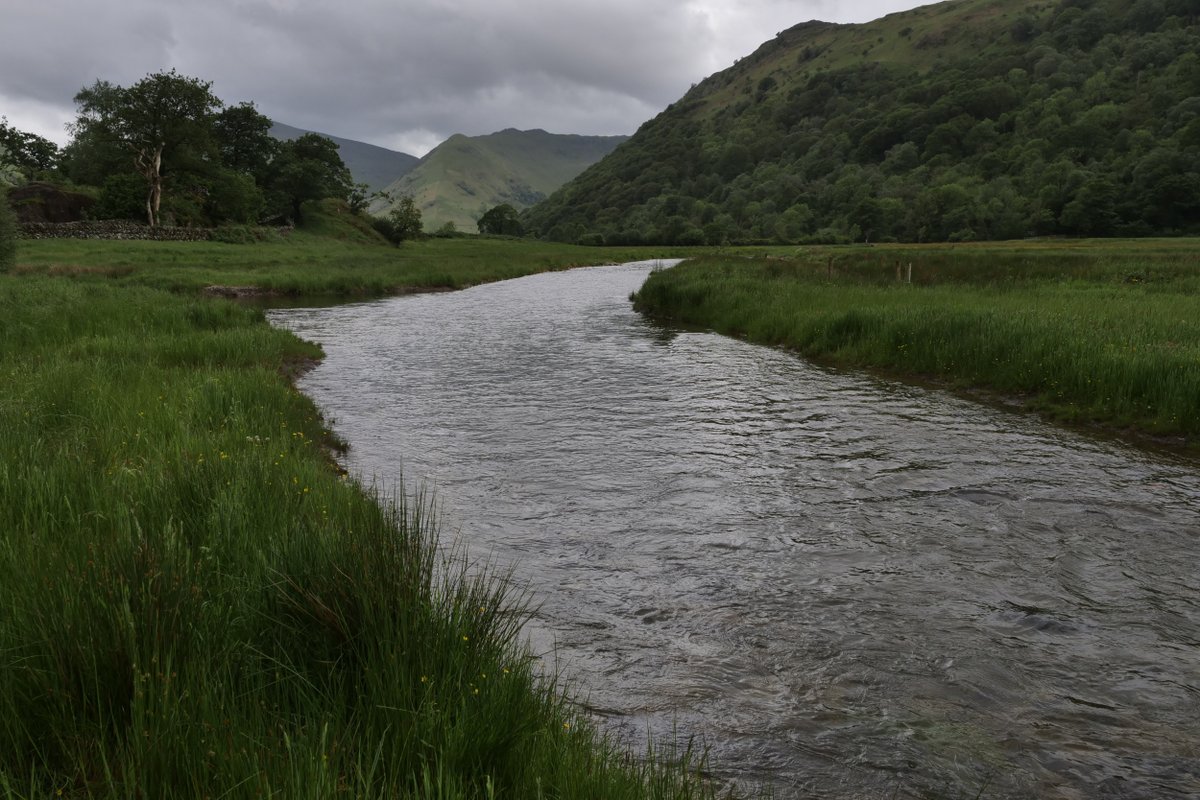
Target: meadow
x: 329, y: 260
x: 1102, y: 333
x: 199, y: 604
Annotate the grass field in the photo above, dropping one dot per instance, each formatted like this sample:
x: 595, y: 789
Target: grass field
x: 306, y: 264
x: 1104, y: 333
x: 196, y: 602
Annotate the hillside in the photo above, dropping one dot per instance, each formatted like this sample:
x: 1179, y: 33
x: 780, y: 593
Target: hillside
x: 368, y: 163
x: 466, y: 175
x: 976, y: 119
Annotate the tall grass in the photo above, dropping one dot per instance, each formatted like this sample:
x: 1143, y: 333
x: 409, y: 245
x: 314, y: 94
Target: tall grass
x: 196, y: 603
x: 1083, y: 334
x: 308, y: 264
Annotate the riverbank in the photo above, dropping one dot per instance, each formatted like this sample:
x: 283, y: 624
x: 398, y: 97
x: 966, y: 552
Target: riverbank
x: 198, y: 604
x: 1103, y: 334
x: 306, y: 264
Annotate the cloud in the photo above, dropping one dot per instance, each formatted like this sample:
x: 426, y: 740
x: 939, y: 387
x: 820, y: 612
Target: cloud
x: 395, y: 73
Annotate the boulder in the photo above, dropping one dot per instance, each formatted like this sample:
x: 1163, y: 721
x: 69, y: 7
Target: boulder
x: 45, y: 202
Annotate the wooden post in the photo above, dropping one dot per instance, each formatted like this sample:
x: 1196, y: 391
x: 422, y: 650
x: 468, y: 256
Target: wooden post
x: 910, y: 272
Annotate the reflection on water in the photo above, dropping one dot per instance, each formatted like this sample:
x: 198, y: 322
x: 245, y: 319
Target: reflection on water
x: 848, y: 588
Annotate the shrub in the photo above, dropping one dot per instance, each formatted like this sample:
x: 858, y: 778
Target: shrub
x: 121, y: 197
x: 8, y: 232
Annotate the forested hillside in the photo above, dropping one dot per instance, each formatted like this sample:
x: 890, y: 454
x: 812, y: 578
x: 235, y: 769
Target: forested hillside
x: 976, y: 119
x: 464, y: 176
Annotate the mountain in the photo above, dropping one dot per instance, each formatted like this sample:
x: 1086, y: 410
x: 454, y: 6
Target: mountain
x: 368, y: 163
x: 975, y: 119
x: 464, y: 176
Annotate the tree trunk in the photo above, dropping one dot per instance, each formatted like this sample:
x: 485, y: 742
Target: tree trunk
x: 151, y: 169
x: 156, y: 187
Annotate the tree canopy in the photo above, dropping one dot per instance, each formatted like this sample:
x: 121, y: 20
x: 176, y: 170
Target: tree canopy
x: 164, y: 116
x: 501, y: 220
x: 243, y: 137
x: 306, y: 168
x: 167, y: 147
x: 402, y: 223
x: 28, y: 152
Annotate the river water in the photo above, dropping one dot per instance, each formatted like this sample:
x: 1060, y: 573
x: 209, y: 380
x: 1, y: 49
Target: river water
x: 844, y: 587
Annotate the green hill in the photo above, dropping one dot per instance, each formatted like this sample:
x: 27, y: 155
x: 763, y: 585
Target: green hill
x: 976, y: 119
x: 370, y: 164
x: 466, y: 175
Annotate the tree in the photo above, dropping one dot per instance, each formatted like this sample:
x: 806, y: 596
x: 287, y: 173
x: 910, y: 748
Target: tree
x: 156, y: 118
x: 94, y: 153
x: 232, y: 196
x: 28, y: 151
x: 502, y: 220
x: 244, y: 140
x: 360, y: 197
x: 402, y: 222
x: 406, y: 219
x: 121, y: 197
x: 10, y: 173
x: 307, y: 168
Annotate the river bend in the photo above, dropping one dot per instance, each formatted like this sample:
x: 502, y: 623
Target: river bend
x: 848, y: 588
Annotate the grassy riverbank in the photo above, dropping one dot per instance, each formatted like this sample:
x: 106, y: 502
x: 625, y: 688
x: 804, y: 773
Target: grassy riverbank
x: 340, y: 260
x: 197, y: 604
x: 1102, y: 333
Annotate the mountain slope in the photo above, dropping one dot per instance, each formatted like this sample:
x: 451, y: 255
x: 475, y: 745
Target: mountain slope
x: 466, y: 175
x: 983, y: 119
x: 370, y: 164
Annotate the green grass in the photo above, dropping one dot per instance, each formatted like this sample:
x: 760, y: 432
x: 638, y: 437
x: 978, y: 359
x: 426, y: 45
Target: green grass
x: 306, y: 264
x: 197, y: 604
x: 1102, y: 333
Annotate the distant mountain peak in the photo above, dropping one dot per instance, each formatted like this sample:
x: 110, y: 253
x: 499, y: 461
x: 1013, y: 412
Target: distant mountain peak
x: 465, y: 176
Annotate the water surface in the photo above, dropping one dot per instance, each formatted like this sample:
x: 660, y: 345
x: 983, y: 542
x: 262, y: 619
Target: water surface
x: 848, y: 588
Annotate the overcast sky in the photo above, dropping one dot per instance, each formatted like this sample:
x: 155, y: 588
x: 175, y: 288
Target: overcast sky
x: 404, y: 74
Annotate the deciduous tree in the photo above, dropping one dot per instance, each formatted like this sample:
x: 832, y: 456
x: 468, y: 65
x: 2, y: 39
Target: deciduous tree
x: 501, y: 220
x: 155, y: 118
x: 28, y: 151
x: 307, y: 168
x: 244, y: 140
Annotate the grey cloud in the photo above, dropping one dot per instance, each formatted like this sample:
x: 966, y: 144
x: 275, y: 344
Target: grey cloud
x: 387, y: 71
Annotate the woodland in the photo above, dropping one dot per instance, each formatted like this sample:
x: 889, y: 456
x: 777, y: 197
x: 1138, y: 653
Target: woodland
x: 963, y: 121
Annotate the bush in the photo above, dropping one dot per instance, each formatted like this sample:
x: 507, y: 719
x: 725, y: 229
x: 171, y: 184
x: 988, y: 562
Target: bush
x: 8, y: 232
x: 233, y: 197
x: 121, y: 197
x: 234, y: 234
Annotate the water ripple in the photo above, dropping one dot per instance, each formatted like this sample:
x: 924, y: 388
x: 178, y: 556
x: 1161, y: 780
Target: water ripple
x: 848, y: 587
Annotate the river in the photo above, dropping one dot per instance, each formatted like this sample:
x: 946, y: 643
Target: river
x: 844, y: 587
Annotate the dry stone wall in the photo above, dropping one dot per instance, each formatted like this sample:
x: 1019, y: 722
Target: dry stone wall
x: 122, y: 229
x: 111, y: 229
